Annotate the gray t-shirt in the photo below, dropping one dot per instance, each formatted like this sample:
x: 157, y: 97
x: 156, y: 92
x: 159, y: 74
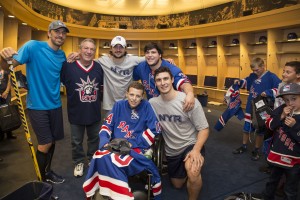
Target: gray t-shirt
x: 117, y: 78
x: 180, y: 129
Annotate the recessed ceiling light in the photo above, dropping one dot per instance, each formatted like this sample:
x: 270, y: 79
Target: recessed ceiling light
x: 11, y: 16
x: 25, y: 24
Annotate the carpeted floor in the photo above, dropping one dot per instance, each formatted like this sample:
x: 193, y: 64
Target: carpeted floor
x: 223, y: 174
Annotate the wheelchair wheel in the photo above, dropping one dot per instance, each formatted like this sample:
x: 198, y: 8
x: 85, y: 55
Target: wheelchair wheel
x: 140, y: 195
x: 159, y: 152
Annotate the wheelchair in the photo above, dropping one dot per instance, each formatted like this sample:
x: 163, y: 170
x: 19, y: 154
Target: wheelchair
x: 138, y: 182
x: 144, y: 177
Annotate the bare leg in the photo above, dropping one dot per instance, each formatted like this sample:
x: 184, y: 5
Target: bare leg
x: 194, y: 181
x: 258, y: 141
x: 245, y: 138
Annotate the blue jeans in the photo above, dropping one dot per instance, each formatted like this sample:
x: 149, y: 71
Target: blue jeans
x: 77, y: 136
x: 291, y: 184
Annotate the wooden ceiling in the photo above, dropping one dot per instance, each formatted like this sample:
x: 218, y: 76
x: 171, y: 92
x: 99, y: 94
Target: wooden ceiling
x: 139, y: 7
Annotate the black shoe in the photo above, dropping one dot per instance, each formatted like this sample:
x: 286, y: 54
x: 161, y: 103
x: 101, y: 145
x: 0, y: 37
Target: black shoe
x: 1, y: 136
x: 255, y: 155
x: 11, y: 136
x: 254, y: 196
x: 240, y: 150
x: 54, y: 178
x: 265, y: 169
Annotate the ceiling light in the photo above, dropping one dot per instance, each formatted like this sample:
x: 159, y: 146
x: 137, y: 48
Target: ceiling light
x: 25, y: 24
x: 11, y: 16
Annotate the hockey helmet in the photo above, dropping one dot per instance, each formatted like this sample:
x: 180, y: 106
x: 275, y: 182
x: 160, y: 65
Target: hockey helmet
x: 262, y: 39
x: 235, y: 41
x: 213, y: 42
x: 292, y: 36
x: 171, y: 44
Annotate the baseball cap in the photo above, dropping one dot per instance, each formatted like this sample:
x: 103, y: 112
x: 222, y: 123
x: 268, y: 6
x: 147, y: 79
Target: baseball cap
x: 118, y: 40
x: 292, y: 88
x: 56, y: 25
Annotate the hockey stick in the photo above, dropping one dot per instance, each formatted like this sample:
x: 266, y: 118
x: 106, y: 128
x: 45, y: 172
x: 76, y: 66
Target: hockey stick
x: 24, y: 120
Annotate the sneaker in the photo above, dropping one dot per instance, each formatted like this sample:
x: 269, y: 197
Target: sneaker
x: 78, y: 171
x: 255, y: 155
x: 240, y: 150
x: 54, y: 178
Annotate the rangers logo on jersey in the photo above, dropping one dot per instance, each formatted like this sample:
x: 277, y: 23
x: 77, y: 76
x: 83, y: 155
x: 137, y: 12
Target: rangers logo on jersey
x: 88, y: 90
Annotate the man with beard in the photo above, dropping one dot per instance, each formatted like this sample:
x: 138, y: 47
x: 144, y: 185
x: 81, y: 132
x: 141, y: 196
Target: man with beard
x: 145, y: 71
x: 118, y: 69
x: 44, y: 61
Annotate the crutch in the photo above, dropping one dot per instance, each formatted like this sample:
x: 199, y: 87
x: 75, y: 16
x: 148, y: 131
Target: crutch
x: 24, y: 120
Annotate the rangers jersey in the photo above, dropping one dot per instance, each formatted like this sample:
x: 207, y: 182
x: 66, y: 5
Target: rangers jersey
x: 285, y: 147
x: 144, y: 73
x: 83, y: 84
x: 267, y: 83
x: 109, y: 171
x: 138, y: 126
x: 234, y: 102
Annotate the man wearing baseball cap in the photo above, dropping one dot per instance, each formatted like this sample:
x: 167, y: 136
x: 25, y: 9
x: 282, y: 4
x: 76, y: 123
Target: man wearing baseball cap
x: 43, y: 61
x: 284, y: 155
x: 118, y: 40
x: 56, y: 25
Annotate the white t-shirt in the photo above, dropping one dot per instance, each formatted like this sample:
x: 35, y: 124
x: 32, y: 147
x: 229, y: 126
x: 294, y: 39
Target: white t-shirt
x: 117, y: 78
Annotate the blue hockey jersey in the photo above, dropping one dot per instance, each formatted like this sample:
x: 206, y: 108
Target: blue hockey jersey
x: 138, y: 126
x: 234, y: 107
x: 267, y: 83
x: 108, y: 171
x: 144, y: 73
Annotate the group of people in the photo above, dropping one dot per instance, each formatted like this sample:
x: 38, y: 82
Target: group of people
x: 116, y: 71
x: 283, y: 150
x: 171, y: 110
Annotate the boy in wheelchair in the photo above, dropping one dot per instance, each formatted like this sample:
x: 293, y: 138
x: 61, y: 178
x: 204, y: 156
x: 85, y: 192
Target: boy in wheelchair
x: 127, y: 133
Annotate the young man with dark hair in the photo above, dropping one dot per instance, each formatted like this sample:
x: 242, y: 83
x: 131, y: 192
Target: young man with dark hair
x: 44, y: 61
x: 145, y: 70
x: 185, y: 133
